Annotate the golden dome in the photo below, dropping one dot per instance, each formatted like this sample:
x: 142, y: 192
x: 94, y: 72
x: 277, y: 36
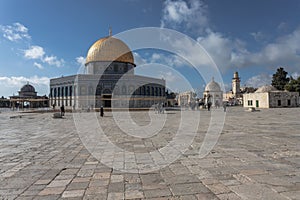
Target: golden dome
x: 109, y: 49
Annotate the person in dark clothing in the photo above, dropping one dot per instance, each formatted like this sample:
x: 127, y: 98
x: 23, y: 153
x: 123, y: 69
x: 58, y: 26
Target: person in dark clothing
x: 224, y: 106
x: 62, y: 110
x: 101, y: 111
x: 208, y: 106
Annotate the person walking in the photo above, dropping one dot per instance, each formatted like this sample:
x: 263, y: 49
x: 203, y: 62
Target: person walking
x: 101, y: 111
x: 224, y: 106
x: 208, y: 106
x: 62, y: 110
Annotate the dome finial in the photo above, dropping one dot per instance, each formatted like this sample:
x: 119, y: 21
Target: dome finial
x: 213, y: 79
x: 109, y: 31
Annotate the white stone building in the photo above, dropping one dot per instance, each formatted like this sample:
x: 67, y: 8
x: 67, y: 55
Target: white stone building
x: 213, y: 94
x: 187, y: 98
x: 269, y: 97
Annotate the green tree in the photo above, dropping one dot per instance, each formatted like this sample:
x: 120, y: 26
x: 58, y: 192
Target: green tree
x: 280, y: 79
x: 293, y: 85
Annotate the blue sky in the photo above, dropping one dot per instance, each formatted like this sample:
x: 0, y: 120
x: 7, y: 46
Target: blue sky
x: 45, y: 39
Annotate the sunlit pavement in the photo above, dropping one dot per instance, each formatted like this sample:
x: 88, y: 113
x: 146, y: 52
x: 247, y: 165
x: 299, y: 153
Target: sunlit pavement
x: 257, y: 157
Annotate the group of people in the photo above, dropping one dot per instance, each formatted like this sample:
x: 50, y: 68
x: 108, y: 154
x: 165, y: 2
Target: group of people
x: 209, y: 104
x: 62, y: 109
x: 159, y: 108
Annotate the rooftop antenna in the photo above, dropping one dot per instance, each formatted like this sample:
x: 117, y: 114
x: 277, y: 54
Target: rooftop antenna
x: 109, y: 31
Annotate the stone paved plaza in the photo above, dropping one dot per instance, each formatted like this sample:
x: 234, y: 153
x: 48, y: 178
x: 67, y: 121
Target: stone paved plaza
x: 257, y: 157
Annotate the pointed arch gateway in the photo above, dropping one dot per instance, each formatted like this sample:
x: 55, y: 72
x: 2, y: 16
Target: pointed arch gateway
x: 106, y: 98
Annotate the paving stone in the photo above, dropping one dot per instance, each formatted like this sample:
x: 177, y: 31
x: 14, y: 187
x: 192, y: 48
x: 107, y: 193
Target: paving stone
x: 116, y: 178
x: 257, y: 159
x: 80, y: 179
x: 227, y: 196
x: 59, y: 183
x: 188, y: 197
x: 183, y: 178
x: 101, y: 176
x: 52, y: 190
x: 154, y: 178
x: 96, y: 190
x: 218, y: 188
x: 115, y: 196
x: 78, y: 185
x: 73, y: 193
x: 43, y: 182
x: 157, y: 193
x: 256, y: 191
x: 117, y: 187
x: 133, y: 194
x: 188, y: 188
x: 98, y: 182
x: 292, y: 194
x: 207, y: 196
x: 94, y: 197
x: 48, y: 197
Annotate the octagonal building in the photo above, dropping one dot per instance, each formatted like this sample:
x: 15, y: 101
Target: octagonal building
x: 108, y: 80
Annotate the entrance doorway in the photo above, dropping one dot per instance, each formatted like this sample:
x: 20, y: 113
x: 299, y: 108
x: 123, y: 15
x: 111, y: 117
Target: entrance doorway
x: 257, y: 103
x: 106, y: 100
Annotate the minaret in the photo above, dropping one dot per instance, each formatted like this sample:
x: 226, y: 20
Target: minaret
x: 110, y: 32
x: 236, y: 85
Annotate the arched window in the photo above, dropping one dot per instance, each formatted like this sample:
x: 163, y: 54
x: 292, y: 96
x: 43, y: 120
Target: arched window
x: 58, y: 92
x: 70, y: 89
x: 148, y: 91
x: 55, y: 92
x: 66, y: 91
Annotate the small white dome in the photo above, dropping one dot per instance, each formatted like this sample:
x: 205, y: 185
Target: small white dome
x: 266, y: 88
x: 213, y: 86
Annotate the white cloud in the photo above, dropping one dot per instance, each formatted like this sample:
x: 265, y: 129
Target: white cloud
x: 258, y: 36
x: 259, y: 80
x: 38, y: 53
x: 295, y: 75
x: 80, y: 60
x: 138, y: 59
x: 52, y: 60
x: 34, y: 52
x: 170, y: 60
x: 283, y: 26
x: 11, y: 85
x: 15, y: 32
x: 38, y: 65
x: 19, y: 32
x: 190, y: 15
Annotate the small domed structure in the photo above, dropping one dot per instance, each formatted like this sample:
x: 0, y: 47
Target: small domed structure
x: 213, y: 86
x: 27, y: 91
x: 266, y: 88
x: 27, y: 88
x: 213, y: 94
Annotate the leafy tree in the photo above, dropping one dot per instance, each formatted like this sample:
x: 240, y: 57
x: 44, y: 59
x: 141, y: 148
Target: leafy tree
x: 293, y: 85
x: 280, y: 79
